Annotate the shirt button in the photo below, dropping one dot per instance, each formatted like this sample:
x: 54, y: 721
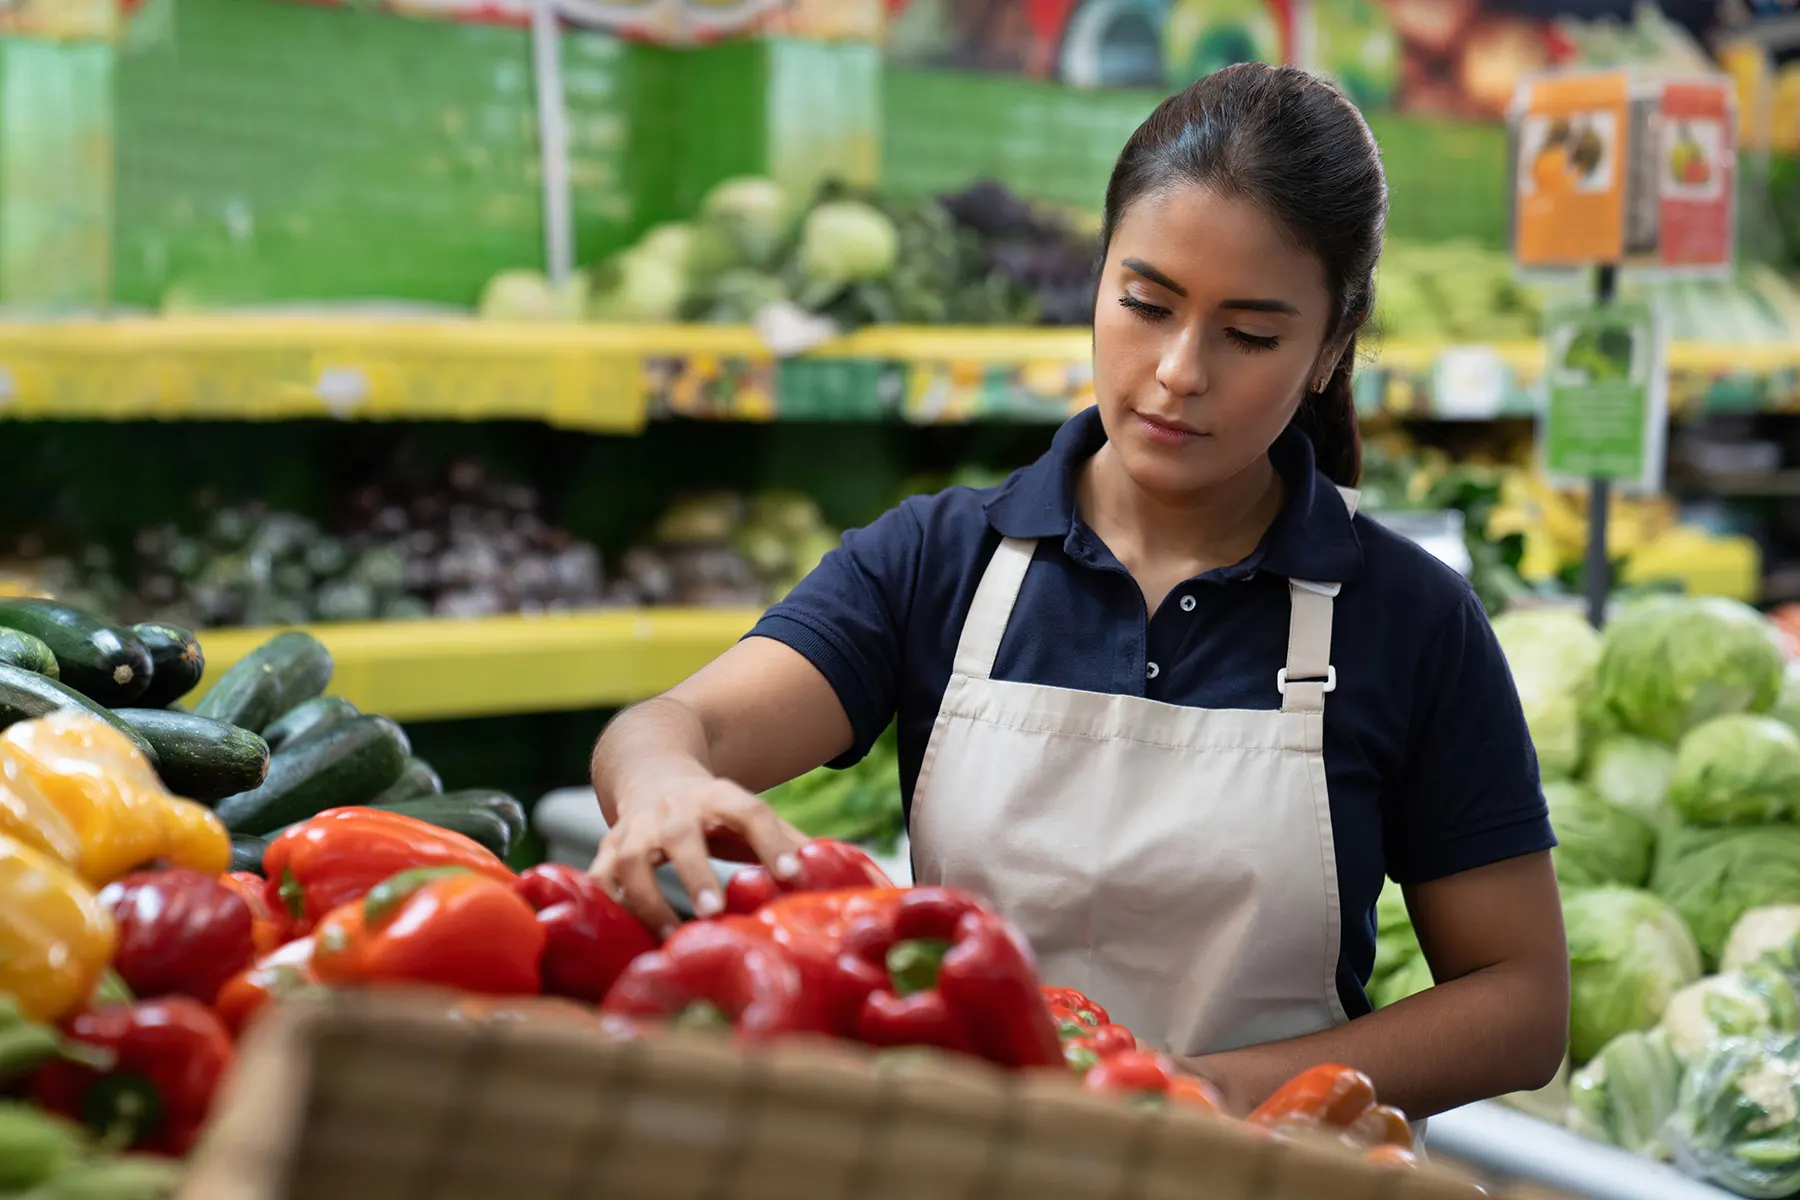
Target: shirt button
x: 1188, y: 603
x: 1152, y: 671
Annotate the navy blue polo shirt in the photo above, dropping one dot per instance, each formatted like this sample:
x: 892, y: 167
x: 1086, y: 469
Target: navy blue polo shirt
x: 1428, y: 762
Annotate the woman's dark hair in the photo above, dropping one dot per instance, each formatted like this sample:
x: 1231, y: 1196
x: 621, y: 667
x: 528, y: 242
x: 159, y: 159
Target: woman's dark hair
x: 1290, y: 143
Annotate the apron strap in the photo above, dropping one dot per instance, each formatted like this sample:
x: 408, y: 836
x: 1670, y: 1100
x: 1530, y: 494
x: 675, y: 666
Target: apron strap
x: 992, y: 608
x: 1309, y: 674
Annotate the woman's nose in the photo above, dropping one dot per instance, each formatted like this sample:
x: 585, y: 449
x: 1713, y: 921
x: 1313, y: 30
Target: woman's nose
x: 1182, y: 368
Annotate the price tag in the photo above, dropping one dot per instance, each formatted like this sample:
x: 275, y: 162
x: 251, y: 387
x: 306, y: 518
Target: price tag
x: 342, y: 389
x: 1469, y: 383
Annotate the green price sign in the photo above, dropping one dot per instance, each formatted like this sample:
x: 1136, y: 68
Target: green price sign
x: 1607, y: 405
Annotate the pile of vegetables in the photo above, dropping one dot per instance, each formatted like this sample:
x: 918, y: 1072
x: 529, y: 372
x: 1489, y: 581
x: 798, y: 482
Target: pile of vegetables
x: 1672, y: 771
x: 983, y: 256
x: 724, y: 549
x: 860, y: 803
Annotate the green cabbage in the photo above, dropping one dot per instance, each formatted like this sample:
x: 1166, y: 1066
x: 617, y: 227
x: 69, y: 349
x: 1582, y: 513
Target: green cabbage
x: 1552, y: 654
x: 1628, y: 953
x: 1625, y: 1095
x: 1787, y: 701
x: 1670, y: 664
x: 1749, y: 1003
x: 1737, y: 770
x: 530, y: 296
x: 1758, y: 932
x: 1597, y: 842
x: 847, y: 241
x: 638, y: 285
x: 1633, y: 773
x: 1712, y: 877
x: 743, y: 222
x: 1737, y: 1123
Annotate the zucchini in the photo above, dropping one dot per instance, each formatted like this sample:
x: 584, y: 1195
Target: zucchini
x: 247, y: 852
x: 416, y: 781
x: 106, y: 664
x: 176, y: 663
x: 347, y: 764
x: 26, y: 694
x: 273, y: 679
x: 198, y: 757
x: 493, y: 819
x: 22, y: 650
x: 314, y: 716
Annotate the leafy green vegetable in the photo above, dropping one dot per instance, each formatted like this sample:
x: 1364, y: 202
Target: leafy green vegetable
x: 1597, y: 842
x: 858, y: 804
x: 1759, y: 931
x: 1670, y: 664
x: 847, y: 241
x: 1626, y: 1093
x: 1737, y: 770
x: 744, y: 221
x: 1749, y: 1003
x: 1552, y: 654
x: 1737, y: 1123
x: 1712, y: 877
x: 1633, y: 773
x: 1628, y: 954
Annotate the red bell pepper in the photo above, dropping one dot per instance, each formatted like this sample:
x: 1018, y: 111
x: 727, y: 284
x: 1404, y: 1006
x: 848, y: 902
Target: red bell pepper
x: 722, y: 975
x: 814, y: 928
x: 958, y: 977
x: 1088, y: 1047
x: 181, y: 932
x: 1084, y: 1010
x: 341, y: 854
x: 169, y: 1055
x: 590, y: 937
x: 284, y: 971
x: 825, y: 866
x: 270, y: 923
x: 433, y: 925
x: 1329, y: 1096
x: 1147, y: 1076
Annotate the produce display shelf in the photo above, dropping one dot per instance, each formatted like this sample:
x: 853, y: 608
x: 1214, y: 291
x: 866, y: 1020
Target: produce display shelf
x: 613, y: 379
x: 498, y: 666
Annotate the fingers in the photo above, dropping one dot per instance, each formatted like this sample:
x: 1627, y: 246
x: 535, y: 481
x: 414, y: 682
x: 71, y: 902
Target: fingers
x: 687, y: 855
x: 629, y: 876
x: 773, y: 839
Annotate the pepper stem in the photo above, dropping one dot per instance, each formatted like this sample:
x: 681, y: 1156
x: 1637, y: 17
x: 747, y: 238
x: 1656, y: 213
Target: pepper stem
x: 913, y: 965
x: 702, y: 1015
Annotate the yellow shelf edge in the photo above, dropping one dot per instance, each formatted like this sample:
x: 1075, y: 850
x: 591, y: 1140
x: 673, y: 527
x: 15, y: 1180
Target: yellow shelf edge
x: 499, y: 666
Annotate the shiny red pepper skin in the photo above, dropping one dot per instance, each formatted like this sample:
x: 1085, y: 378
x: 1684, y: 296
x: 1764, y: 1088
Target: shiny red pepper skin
x: 814, y: 928
x: 983, y: 996
x: 170, y: 1055
x: 282, y: 972
x: 1084, y: 1009
x: 181, y: 932
x: 726, y: 968
x: 825, y: 866
x: 1148, y: 1075
x: 590, y: 937
x: 271, y: 923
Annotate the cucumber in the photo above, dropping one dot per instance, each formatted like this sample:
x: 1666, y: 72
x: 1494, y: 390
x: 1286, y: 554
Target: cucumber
x: 348, y: 764
x: 106, y: 664
x: 26, y: 694
x: 176, y: 661
x: 416, y: 781
x: 22, y: 650
x: 273, y: 679
x: 314, y: 716
x: 247, y: 852
x: 198, y: 757
x: 491, y: 818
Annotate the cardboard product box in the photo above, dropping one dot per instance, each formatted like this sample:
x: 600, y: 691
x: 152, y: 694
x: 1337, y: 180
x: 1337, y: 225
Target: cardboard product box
x: 389, y: 1095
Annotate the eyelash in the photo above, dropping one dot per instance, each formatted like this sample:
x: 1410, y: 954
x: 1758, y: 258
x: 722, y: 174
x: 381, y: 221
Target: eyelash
x: 1155, y: 312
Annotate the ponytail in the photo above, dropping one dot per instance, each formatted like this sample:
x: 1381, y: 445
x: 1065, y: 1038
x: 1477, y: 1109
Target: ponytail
x: 1328, y: 419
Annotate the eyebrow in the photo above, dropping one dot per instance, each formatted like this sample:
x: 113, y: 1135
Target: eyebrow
x: 1155, y: 276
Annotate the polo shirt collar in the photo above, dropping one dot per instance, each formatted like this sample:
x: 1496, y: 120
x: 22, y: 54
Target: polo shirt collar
x: 1313, y: 537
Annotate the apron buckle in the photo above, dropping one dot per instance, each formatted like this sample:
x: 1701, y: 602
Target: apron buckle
x: 1281, y: 680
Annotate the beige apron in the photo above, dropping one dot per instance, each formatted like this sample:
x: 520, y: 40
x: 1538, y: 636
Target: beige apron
x: 1174, y: 863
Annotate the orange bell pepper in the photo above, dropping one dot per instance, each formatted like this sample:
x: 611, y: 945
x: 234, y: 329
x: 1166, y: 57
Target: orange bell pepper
x: 269, y: 926
x: 434, y: 925
x: 1329, y: 1096
x: 341, y: 854
x: 110, y: 796
x: 284, y: 972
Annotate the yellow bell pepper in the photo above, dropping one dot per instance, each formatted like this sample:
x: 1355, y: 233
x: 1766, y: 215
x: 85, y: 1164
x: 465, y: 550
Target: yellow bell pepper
x: 55, y: 937
x: 109, y: 794
x: 27, y: 816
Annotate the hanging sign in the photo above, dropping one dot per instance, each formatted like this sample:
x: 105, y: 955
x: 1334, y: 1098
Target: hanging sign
x: 1607, y: 405
x: 1641, y: 173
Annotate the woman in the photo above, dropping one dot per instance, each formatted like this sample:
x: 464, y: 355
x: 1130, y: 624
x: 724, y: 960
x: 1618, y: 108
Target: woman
x: 1162, y: 697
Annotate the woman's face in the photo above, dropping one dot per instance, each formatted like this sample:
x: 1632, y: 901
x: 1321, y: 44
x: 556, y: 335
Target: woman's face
x: 1209, y: 330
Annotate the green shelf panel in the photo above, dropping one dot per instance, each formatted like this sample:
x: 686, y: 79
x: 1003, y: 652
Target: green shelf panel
x: 270, y: 151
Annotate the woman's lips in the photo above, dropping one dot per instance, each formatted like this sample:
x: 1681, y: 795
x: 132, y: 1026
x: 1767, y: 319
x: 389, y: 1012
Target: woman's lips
x: 1167, y: 433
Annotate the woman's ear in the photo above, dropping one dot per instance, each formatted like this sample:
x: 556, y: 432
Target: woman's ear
x: 1331, y: 355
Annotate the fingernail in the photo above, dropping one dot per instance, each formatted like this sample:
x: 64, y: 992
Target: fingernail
x: 708, y: 905
x: 787, y: 866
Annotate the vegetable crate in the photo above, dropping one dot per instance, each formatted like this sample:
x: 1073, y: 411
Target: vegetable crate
x: 394, y: 1096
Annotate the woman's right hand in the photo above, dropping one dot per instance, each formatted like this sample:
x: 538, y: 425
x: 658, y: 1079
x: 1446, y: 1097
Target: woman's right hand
x: 674, y: 824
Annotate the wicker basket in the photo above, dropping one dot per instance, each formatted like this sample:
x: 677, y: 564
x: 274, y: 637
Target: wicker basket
x: 390, y: 1097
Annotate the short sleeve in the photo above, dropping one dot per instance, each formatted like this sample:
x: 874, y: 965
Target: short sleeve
x: 847, y: 615
x: 1470, y: 793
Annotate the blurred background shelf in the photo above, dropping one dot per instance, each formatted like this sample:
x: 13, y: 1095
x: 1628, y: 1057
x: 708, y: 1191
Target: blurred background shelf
x: 500, y: 666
